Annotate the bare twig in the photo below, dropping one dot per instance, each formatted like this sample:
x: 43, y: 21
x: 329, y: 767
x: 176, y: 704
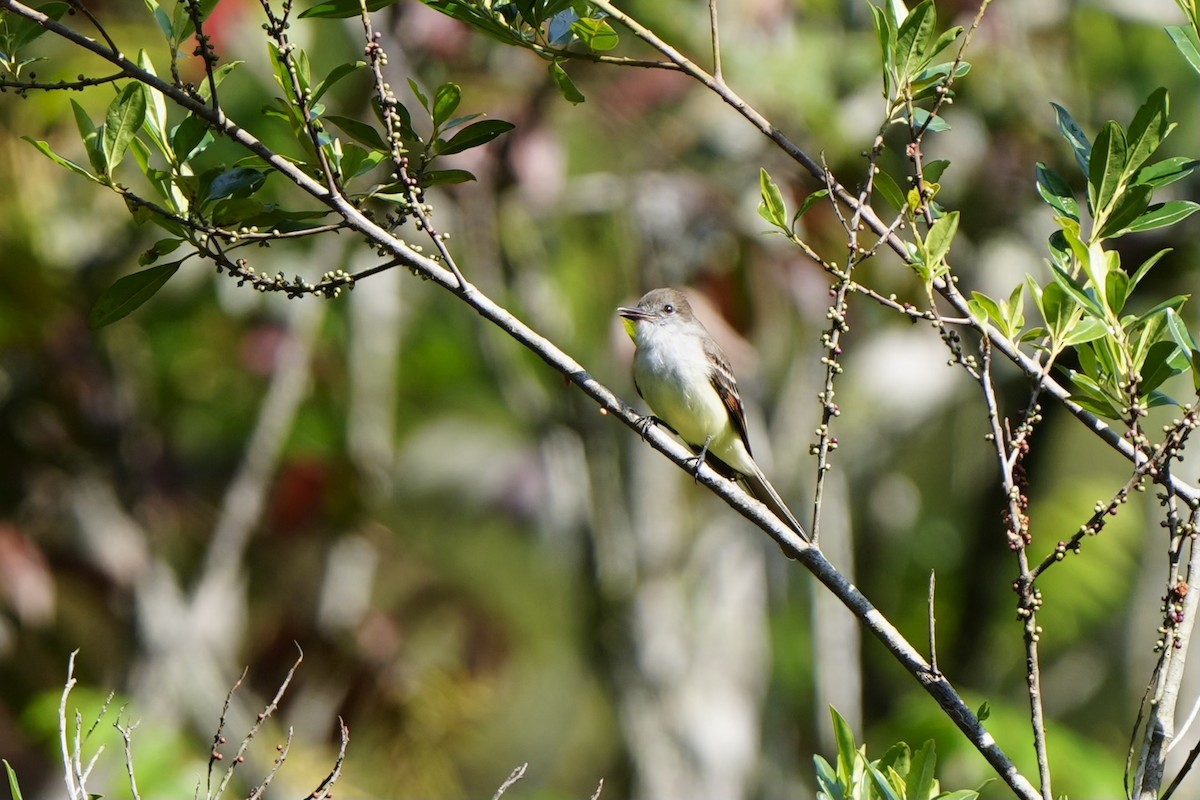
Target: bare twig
x: 283, y: 749
x: 126, y: 732
x: 933, y: 664
x: 69, y: 774
x: 599, y: 789
x: 716, y: 40
x: 326, y: 786
x: 515, y: 776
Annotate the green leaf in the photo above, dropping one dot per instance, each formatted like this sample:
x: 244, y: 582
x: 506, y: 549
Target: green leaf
x: 219, y: 75
x: 163, y: 19
x: 1186, y: 42
x: 934, y: 170
x: 1161, y: 215
x: 1156, y: 368
x: 156, y: 106
x: 847, y: 750
x: 914, y: 39
x: 445, y: 102
x: 62, y: 162
x: 421, y: 98
x: 342, y: 9
x: 940, y: 237
x: 128, y: 293
x: 882, y: 785
x: 1075, y: 137
x: 1145, y: 267
x: 919, y: 785
x: 24, y: 31
x: 335, y: 75
x: 565, y: 84
x: 772, y: 208
x: 1149, y: 127
x: 886, y: 33
x: 357, y: 161
x: 125, y: 116
x: 1075, y: 289
x: 443, y: 177
x: 474, y: 135
x: 190, y: 138
x: 887, y: 186
x: 985, y: 308
x: 596, y: 33
x: 1106, y: 166
x: 91, y: 137
x: 13, y: 786
x: 1132, y: 205
x: 359, y: 131
x: 930, y: 123
x: 237, y: 182
x: 809, y: 202
x: 1086, y: 330
x: 160, y: 248
x: 827, y: 780
x: 1166, y: 172
x: 1055, y: 190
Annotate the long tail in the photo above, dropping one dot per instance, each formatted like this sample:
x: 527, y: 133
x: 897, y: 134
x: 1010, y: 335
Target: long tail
x: 765, y: 493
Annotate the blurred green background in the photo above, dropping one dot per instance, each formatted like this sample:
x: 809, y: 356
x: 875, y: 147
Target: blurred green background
x: 482, y: 570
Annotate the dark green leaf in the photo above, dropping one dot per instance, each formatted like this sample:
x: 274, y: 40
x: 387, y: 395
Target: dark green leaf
x: 1166, y: 172
x: 357, y: 161
x: 1161, y: 215
x: 237, y: 182
x: 1145, y: 267
x: 1116, y: 290
x: 184, y: 25
x: 1106, y: 166
x: 1055, y: 190
x: 1075, y: 289
x: 880, y: 782
x: 565, y: 84
x: 421, y: 98
x: 91, y: 137
x: 886, y: 33
x: 359, y: 131
x: 930, y: 123
x: 128, y: 293
x: 1074, y: 136
x: 1149, y: 127
x: 1185, y: 40
x: 1130, y: 207
x: 163, y: 19
x: 335, y: 75
x: 445, y: 102
x: 1156, y: 368
x: 341, y: 9
x: 442, y: 177
x: 125, y: 116
x: 474, y: 135
x: 190, y: 138
x: 161, y: 248
x: 985, y: 711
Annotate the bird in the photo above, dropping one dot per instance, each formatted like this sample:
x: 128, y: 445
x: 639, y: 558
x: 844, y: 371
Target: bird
x: 685, y: 377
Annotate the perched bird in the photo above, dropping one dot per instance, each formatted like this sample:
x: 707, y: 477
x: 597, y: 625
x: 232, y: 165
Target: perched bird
x: 683, y: 374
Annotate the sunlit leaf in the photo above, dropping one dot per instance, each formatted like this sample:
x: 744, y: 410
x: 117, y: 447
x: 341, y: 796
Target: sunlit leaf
x: 565, y: 84
x: 341, y: 9
x: 125, y: 116
x: 1075, y: 137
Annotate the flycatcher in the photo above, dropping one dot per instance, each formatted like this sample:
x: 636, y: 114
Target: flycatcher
x: 683, y: 374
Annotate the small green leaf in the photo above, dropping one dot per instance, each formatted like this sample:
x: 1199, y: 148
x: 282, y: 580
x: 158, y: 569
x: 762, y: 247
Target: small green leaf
x: 190, y: 138
x: 160, y: 248
x: 1166, y: 172
x: 219, y: 75
x: 421, y: 98
x: 565, y: 84
x: 443, y: 177
x: 1161, y: 215
x: 474, y: 135
x: 596, y: 33
x: 125, y: 116
x: 91, y: 137
x: 23, y: 31
x: 1145, y: 267
x: 772, y: 208
x: 335, y: 75
x: 809, y: 202
x: 914, y: 39
x: 13, y: 786
x: 847, y: 749
x: 1149, y: 127
x: 939, y: 239
x: 359, y: 131
x: 128, y: 293
x: 237, y: 182
x: 1106, y: 166
x: 1086, y: 330
x: 342, y: 9
x: 357, y: 161
x: 886, y: 185
x: 156, y: 106
x: 1055, y: 190
x: 62, y: 162
x: 1075, y: 137
x: 445, y: 102
x: 1130, y: 207
x: 881, y: 784
x: 919, y: 785
x: 934, y: 170
x: 1185, y: 40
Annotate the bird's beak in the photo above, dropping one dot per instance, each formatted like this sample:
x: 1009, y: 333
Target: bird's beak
x: 635, y: 314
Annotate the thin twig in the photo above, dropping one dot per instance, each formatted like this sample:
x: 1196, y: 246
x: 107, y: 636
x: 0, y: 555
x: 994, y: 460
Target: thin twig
x: 127, y: 735
x: 933, y: 663
x: 515, y: 776
x: 69, y: 775
x: 283, y: 749
x: 716, y: 41
x: 324, y: 787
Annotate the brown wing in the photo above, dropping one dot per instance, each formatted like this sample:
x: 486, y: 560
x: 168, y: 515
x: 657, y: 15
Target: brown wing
x: 723, y: 381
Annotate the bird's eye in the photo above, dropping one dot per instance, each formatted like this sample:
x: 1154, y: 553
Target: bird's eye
x: 668, y: 309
